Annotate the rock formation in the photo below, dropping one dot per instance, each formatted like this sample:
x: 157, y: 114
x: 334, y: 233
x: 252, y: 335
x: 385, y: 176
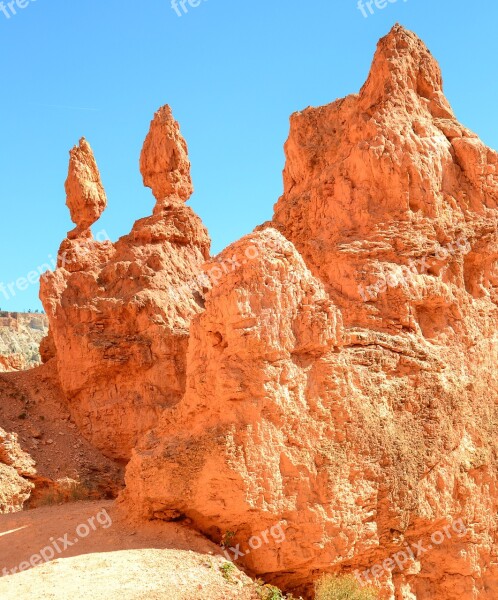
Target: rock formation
x: 14, y: 490
x: 15, y: 465
x: 341, y: 379
x: 334, y: 372
x: 12, y: 455
x: 20, y: 337
x: 390, y: 200
x: 85, y: 194
x: 164, y: 161
x: 120, y: 313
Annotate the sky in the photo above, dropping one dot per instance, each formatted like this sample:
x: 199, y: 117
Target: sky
x: 233, y: 72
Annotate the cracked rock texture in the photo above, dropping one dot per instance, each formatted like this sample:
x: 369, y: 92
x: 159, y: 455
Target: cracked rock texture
x: 164, y: 161
x: 120, y: 313
x: 15, y: 465
x: 339, y: 376
x: 362, y: 422
x: 20, y: 337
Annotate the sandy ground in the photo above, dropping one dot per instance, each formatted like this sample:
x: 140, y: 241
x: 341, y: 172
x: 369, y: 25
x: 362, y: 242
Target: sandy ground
x: 110, y: 559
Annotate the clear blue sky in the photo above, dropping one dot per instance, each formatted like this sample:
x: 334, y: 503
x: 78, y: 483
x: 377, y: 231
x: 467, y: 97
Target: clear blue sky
x: 233, y: 71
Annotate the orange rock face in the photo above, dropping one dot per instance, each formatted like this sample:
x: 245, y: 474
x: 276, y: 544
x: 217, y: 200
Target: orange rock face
x: 164, y: 161
x: 386, y: 186
x: 341, y: 380
x: 120, y: 313
x: 86, y: 198
x: 332, y: 374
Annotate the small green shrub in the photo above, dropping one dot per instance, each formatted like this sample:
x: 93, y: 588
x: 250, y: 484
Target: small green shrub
x: 74, y: 492
x: 227, y: 570
x: 227, y: 539
x: 270, y: 592
x: 346, y: 587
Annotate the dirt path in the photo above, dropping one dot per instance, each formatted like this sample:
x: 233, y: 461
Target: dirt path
x: 93, y: 554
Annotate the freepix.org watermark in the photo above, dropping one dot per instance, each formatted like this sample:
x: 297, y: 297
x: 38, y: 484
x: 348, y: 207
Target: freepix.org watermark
x: 9, y: 9
x: 405, y: 275
x: 411, y: 552
x: 61, y: 544
x: 369, y: 4
x: 21, y: 284
x: 181, y: 6
x: 276, y: 533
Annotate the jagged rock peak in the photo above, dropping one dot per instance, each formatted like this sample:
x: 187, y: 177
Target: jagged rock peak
x: 164, y: 161
x: 403, y: 64
x: 85, y: 194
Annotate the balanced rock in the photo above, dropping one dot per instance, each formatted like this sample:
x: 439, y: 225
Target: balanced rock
x: 85, y: 195
x: 120, y: 313
x: 164, y: 161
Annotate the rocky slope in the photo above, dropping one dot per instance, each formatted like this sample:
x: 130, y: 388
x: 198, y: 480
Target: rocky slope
x: 20, y: 337
x: 333, y: 372
x: 43, y: 457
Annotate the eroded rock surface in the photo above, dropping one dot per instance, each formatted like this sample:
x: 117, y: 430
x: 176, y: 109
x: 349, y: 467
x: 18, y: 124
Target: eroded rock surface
x: 120, y: 313
x: 164, y: 161
x: 15, y: 465
x: 86, y: 198
x: 14, y: 490
x: 338, y: 374
x: 362, y: 418
x: 387, y: 186
x: 20, y: 337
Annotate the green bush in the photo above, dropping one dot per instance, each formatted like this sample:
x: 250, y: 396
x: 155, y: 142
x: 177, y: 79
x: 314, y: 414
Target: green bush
x: 227, y: 570
x: 270, y: 592
x: 346, y: 587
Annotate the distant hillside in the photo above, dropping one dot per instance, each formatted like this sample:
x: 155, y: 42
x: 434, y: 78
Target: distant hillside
x: 20, y: 336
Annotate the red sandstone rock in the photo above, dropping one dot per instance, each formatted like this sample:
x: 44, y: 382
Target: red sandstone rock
x: 365, y: 436
x: 120, y: 313
x: 85, y: 195
x: 305, y: 387
x: 385, y: 179
x: 12, y: 455
x: 164, y: 161
x: 47, y: 348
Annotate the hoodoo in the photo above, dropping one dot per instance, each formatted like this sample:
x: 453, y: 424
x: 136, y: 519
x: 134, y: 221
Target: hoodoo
x: 120, y: 313
x: 364, y: 427
x: 281, y: 394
